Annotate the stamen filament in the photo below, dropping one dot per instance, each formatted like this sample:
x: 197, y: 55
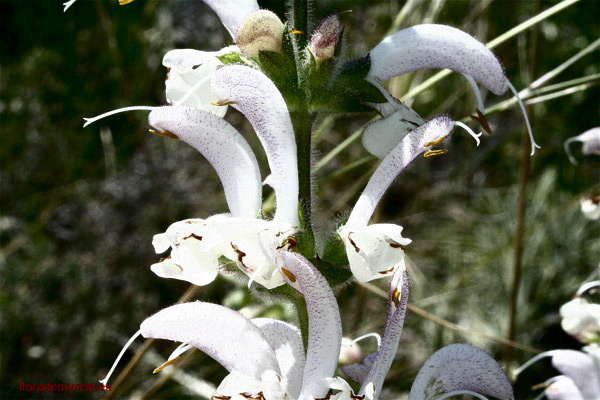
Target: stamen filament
x: 470, y: 131
x: 533, y: 360
x: 164, y: 365
x: 372, y: 334
x: 477, y: 92
x: 534, y: 145
x: 568, y: 150
x: 587, y: 286
x: 138, y: 333
x: 118, y: 110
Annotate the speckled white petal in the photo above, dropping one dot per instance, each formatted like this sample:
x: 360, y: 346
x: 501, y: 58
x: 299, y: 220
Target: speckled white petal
x: 224, y: 148
x: 562, y: 388
x: 324, y: 323
x: 259, y: 100
x: 409, y: 148
x: 381, y: 136
x: 460, y: 367
x: 221, y: 333
x: 436, y: 46
x: 581, y: 368
x: 375, y: 251
x: 232, y: 12
x: 286, y: 341
x: 399, y: 293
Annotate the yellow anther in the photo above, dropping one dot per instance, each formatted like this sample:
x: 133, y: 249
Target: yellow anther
x: 289, y: 274
x: 295, y: 31
x: 432, y: 153
x: 157, y: 370
x: 539, y: 386
x: 222, y: 102
x: 123, y: 2
x: 434, y: 142
x: 164, y: 133
x: 482, y: 120
x: 396, y: 297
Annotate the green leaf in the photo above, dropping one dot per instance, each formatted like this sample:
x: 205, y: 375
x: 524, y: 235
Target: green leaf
x: 334, y: 251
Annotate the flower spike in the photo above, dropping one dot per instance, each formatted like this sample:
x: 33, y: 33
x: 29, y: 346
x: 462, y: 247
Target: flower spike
x: 324, y: 323
x: 257, y: 97
x: 224, y: 148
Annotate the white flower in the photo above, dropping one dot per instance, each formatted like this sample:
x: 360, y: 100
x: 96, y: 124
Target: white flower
x: 580, y: 377
x: 580, y: 318
x: 242, y: 237
x: 376, y: 251
x: 590, y: 140
x: 275, y: 362
x: 431, y: 46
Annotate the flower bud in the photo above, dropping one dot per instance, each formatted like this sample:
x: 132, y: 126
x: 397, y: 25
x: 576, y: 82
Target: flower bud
x: 261, y: 31
x: 325, y: 38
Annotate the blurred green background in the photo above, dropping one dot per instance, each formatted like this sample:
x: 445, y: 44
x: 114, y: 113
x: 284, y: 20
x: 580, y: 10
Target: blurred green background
x: 79, y: 206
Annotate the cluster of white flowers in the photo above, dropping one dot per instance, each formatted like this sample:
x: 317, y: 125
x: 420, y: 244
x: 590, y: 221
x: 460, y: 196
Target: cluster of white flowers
x: 199, y: 88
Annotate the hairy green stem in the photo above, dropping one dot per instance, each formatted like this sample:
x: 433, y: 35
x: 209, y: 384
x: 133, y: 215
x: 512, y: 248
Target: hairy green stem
x: 302, y: 122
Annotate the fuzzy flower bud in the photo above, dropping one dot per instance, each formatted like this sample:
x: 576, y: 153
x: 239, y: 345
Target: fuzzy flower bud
x: 325, y: 38
x: 261, y: 31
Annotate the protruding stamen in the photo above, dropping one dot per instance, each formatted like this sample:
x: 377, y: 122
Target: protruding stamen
x: 123, y: 2
x: 534, y: 145
x: 295, y: 31
x: 68, y: 4
x: 429, y: 144
x: 432, y: 153
x: 477, y: 92
x: 164, y: 365
x: 533, y: 360
x: 222, y: 102
x: 568, y: 149
x: 164, y: 133
x: 118, y: 110
x: 587, y: 286
x: 372, y: 334
x: 138, y: 333
x: 480, y: 117
x: 466, y: 128
x: 182, y: 348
